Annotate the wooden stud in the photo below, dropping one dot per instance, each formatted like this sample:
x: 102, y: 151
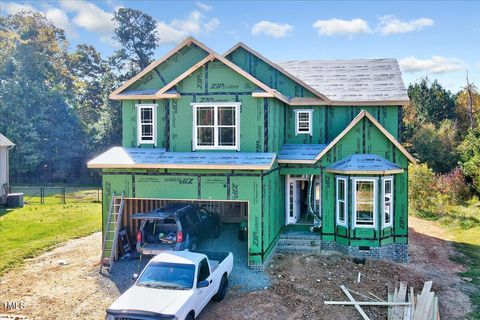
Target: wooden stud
x: 357, y: 306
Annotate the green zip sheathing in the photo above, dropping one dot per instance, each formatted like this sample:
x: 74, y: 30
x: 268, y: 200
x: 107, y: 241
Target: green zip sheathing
x: 216, y: 82
x: 129, y: 123
x: 364, y: 137
x: 263, y: 191
x: 329, y: 121
x: 170, y: 69
x: 267, y: 74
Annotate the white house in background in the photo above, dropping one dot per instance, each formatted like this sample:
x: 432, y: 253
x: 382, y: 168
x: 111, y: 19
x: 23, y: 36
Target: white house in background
x: 5, y: 145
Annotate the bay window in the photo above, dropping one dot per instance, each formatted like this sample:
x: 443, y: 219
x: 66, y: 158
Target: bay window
x: 216, y: 126
x: 146, y: 123
x: 364, y: 202
x: 341, y: 201
x: 387, y: 201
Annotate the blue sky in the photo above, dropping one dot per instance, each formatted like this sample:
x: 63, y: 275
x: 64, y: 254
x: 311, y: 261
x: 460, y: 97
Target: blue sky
x: 438, y: 39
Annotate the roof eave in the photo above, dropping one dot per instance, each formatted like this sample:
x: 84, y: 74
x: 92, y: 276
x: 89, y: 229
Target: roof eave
x: 381, y: 172
x: 177, y: 166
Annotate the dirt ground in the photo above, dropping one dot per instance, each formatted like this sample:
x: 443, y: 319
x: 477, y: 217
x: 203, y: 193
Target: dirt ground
x: 65, y: 284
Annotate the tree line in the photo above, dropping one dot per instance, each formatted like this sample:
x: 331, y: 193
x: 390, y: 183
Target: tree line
x: 54, y: 103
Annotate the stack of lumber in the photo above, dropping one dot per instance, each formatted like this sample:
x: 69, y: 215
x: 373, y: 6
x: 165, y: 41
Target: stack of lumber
x: 402, y: 304
x: 424, y: 306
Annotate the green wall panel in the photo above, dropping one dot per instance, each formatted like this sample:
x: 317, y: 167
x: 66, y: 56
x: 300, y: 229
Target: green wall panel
x: 166, y: 187
x: 171, y: 68
x: 267, y: 74
x: 213, y: 188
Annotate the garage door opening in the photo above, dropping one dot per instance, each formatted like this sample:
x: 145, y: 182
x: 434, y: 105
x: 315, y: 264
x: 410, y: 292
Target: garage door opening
x: 234, y: 215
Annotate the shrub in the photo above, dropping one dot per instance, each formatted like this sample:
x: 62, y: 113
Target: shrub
x: 437, y: 146
x: 453, y: 187
x: 423, y: 192
x: 470, y: 152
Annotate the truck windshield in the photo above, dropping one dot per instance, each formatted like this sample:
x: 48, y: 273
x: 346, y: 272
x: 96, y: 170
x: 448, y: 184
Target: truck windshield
x: 168, y: 276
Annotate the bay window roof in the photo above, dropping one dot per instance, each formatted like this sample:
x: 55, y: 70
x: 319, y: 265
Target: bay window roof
x: 364, y: 164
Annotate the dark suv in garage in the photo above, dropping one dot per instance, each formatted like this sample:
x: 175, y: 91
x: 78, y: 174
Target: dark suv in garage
x: 175, y: 227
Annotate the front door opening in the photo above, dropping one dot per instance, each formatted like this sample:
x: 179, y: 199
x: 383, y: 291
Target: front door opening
x: 297, y: 200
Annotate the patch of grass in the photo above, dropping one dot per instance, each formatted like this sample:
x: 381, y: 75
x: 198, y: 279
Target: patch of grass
x: 470, y: 257
x: 26, y: 232
x: 463, y: 223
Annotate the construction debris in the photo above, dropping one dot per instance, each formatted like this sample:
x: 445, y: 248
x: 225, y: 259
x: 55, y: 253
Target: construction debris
x: 402, y: 304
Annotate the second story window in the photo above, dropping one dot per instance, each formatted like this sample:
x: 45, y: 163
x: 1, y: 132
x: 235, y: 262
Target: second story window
x: 216, y: 126
x: 303, y: 121
x: 146, y: 124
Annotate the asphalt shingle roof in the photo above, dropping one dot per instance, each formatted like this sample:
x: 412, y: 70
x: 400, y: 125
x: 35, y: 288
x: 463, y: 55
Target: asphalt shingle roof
x: 351, y: 80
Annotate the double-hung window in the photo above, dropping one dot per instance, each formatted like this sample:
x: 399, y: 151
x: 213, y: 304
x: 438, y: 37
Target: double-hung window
x: 341, y: 201
x: 387, y: 201
x: 146, y: 123
x: 303, y: 121
x: 364, y: 202
x: 216, y: 126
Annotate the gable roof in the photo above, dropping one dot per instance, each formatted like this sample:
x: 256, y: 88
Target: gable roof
x: 352, y: 82
x: 352, y: 124
x: 5, y: 142
x: 116, y: 94
x: 268, y: 92
x: 277, y: 67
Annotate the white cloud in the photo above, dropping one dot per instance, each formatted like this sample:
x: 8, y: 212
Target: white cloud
x: 13, y: 7
x: 271, y: 29
x: 89, y: 16
x: 195, y: 24
x: 60, y: 19
x: 436, y: 64
x: 211, y: 25
x: 204, y: 6
x: 342, y: 27
x: 391, y: 25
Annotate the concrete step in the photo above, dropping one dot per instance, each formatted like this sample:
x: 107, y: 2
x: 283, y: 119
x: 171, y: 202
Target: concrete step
x: 300, y: 242
x: 298, y: 249
x: 301, y: 236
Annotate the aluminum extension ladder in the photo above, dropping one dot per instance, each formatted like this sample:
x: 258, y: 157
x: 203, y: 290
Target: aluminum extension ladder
x: 112, y: 228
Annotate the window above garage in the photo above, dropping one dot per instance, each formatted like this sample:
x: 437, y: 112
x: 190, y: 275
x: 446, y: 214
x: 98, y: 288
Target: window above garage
x: 216, y: 126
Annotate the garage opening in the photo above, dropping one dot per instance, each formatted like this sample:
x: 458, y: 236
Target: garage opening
x: 234, y: 215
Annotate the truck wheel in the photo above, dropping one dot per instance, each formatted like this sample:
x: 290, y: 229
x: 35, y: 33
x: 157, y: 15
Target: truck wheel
x: 189, y: 317
x: 222, y: 290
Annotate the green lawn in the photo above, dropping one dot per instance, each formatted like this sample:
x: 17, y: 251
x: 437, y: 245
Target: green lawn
x: 28, y: 231
x: 463, y: 224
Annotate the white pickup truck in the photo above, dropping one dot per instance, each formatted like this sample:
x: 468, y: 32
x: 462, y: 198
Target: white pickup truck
x: 175, y: 285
